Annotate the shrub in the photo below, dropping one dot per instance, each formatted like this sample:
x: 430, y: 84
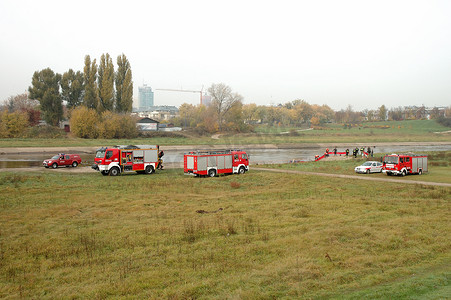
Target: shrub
x: 13, y: 124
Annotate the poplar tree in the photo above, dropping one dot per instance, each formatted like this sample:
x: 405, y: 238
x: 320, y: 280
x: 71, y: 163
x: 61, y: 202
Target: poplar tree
x: 124, y: 85
x: 91, y: 94
x: 106, y: 84
x: 72, y: 88
x: 44, y: 87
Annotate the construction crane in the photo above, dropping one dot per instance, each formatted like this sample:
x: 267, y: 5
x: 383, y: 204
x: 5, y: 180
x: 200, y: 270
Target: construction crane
x: 186, y: 91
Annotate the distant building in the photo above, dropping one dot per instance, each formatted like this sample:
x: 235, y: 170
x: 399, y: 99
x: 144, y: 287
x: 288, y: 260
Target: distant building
x: 147, y: 124
x: 145, y: 97
x: 206, y: 99
x: 162, y: 112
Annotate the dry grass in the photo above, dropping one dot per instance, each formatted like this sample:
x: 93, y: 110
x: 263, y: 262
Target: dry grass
x: 276, y: 235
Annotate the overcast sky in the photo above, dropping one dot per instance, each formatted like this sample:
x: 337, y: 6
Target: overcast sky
x: 339, y: 53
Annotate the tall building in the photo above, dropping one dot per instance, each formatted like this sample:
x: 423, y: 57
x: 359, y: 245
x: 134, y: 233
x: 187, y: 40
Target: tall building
x: 145, y: 97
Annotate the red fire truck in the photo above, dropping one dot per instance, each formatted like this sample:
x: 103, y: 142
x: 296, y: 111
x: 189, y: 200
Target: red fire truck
x: 403, y: 164
x: 115, y: 160
x: 212, y: 163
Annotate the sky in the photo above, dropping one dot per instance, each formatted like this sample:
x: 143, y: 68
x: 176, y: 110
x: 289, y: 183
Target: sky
x: 340, y: 53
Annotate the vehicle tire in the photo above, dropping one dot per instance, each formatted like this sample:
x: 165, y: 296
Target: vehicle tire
x: 104, y: 173
x: 149, y: 170
x: 74, y: 164
x: 420, y: 172
x: 241, y: 170
x: 55, y: 165
x: 404, y: 173
x: 211, y: 173
x: 368, y: 171
x: 114, y: 171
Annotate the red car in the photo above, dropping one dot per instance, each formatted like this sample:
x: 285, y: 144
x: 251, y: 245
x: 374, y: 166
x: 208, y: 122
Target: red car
x: 62, y: 159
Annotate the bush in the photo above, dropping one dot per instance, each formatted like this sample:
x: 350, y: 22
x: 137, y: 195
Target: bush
x: 13, y: 124
x: 86, y: 123
x: 444, y: 121
x: 45, y: 132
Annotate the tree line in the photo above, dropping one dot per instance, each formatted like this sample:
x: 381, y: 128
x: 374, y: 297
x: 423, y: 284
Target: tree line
x: 98, y: 87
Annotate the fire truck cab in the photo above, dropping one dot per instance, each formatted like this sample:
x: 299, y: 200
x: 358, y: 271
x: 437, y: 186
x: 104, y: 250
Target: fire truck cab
x: 116, y: 160
x: 212, y: 163
x: 403, y: 164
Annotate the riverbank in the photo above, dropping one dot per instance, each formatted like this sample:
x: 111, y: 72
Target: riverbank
x: 182, y: 148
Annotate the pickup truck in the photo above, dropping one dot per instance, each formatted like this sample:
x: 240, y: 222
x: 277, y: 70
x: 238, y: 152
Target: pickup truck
x: 62, y: 159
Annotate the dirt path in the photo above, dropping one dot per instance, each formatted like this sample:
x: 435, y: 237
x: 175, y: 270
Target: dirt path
x: 363, y: 177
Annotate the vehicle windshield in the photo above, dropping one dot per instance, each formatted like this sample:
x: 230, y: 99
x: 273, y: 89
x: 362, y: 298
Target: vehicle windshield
x: 367, y: 164
x: 391, y: 159
x: 100, y: 154
x: 56, y: 157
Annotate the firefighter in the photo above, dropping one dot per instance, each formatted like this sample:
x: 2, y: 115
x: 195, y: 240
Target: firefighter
x: 316, y: 157
x: 160, y: 160
x: 347, y: 152
x: 362, y: 150
x: 335, y: 151
x: 327, y: 152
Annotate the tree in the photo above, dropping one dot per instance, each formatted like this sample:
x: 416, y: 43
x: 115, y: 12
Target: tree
x: 106, y: 84
x: 124, y: 85
x: 84, y: 122
x: 223, y: 100
x: 91, y: 94
x: 13, y: 124
x: 72, y: 88
x: 382, y: 113
x: 22, y: 103
x: 45, y: 89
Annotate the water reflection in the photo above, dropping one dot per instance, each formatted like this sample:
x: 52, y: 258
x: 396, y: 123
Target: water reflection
x: 257, y: 156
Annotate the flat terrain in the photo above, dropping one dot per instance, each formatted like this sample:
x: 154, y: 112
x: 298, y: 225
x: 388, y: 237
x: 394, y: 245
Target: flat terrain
x: 410, y: 131
x: 259, y: 235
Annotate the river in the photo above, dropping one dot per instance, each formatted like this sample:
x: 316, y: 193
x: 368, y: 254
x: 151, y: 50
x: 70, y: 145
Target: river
x: 257, y: 156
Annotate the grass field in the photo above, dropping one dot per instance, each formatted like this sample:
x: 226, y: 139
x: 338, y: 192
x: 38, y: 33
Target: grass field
x: 439, y: 167
x: 259, y: 235
x: 402, y: 131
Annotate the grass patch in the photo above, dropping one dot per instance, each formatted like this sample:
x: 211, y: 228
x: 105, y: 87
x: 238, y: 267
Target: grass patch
x: 438, y: 163
x: 395, y: 131
x: 262, y: 235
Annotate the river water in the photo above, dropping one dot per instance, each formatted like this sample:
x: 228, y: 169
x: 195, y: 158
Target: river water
x: 257, y: 156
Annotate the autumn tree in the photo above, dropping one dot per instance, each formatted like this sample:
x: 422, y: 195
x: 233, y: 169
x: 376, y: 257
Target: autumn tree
x: 84, y: 122
x: 91, y: 94
x: 124, y: 85
x: 106, y: 83
x: 13, y: 124
x: 382, y: 113
x: 223, y: 100
x: 45, y: 88
x: 22, y: 103
x: 72, y: 88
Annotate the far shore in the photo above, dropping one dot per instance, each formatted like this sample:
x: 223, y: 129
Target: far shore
x: 35, y: 150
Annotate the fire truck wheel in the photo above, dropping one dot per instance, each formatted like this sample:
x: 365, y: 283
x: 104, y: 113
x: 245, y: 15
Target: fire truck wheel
x: 420, y: 172
x: 114, y: 171
x: 241, y: 170
x: 74, y: 164
x: 404, y: 173
x: 104, y: 173
x: 55, y: 165
x: 149, y: 170
x: 212, y: 172
x: 368, y: 171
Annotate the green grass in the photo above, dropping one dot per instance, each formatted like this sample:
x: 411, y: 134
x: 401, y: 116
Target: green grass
x: 402, y: 131
x: 439, y: 170
x: 66, y: 235
x: 439, y: 167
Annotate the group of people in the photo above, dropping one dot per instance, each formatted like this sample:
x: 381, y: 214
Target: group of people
x: 355, y: 152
